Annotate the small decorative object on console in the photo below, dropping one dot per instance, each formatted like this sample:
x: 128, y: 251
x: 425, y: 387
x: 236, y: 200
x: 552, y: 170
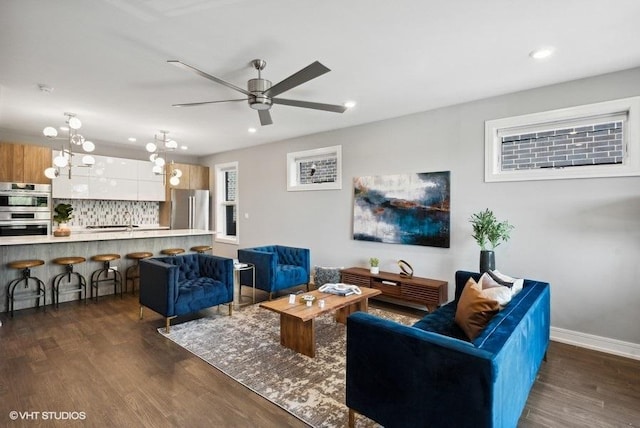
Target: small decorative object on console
x: 406, y: 269
x: 375, y: 268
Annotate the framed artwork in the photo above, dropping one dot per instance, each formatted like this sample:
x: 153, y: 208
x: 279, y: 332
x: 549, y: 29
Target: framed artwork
x: 411, y: 209
x: 317, y: 169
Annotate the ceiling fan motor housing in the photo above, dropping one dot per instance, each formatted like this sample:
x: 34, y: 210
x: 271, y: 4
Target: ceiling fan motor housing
x: 257, y: 87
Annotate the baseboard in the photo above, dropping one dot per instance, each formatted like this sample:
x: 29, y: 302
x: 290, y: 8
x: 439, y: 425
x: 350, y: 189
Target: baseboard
x: 597, y: 343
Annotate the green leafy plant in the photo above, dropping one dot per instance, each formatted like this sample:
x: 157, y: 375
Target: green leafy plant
x: 374, y: 262
x: 62, y: 213
x: 488, y: 230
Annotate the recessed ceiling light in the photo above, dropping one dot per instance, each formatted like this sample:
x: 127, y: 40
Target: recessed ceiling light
x: 132, y: 139
x: 541, y: 53
x: 63, y: 128
x: 184, y: 147
x: 350, y: 104
x: 252, y: 130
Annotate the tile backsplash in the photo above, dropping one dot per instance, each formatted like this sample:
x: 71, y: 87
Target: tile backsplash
x: 90, y: 212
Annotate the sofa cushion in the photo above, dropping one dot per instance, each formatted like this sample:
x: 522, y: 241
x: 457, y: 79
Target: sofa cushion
x: 289, y: 274
x: 494, y: 290
x: 442, y: 322
x: 474, y: 310
x: 517, y: 283
x: 199, y: 293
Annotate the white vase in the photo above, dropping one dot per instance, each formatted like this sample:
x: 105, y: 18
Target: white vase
x: 374, y: 270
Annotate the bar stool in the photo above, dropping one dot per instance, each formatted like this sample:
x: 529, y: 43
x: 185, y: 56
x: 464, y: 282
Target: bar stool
x: 201, y: 249
x: 80, y: 287
x: 26, y: 266
x: 172, y: 251
x: 133, y: 272
x: 95, y: 280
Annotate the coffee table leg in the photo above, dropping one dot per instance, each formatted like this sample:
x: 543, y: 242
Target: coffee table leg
x: 298, y: 335
x: 343, y: 313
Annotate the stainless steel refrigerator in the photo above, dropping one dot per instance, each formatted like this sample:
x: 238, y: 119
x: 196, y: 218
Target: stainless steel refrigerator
x: 189, y: 209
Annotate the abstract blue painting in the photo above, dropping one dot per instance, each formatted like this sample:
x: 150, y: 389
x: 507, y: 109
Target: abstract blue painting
x: 410, y: 209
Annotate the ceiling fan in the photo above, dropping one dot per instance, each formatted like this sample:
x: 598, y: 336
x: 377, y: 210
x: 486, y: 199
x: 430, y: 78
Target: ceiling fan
x: 261, y: 95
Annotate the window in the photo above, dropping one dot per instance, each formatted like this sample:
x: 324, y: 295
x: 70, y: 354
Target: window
x: 318, y: 169
x: 227, y: 202
x: 596, y: 140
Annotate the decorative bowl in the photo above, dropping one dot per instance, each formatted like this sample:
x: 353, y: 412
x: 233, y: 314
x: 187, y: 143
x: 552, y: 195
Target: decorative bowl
x: 307, y: 298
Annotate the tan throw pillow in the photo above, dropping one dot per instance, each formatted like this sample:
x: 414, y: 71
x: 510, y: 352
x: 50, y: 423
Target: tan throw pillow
x: 474, y: 309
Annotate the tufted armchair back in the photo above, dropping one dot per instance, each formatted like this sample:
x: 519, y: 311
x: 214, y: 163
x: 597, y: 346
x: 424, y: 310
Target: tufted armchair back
x: 292, y: 256
x: 277, y: 267
x: 188, y: 265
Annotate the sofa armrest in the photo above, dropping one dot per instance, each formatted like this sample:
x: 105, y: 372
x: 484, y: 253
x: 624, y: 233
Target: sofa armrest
x: 265, y: 265
x: 158, y: 286
x: 403, y: 376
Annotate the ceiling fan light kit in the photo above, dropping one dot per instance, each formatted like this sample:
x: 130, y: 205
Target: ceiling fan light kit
x: 261, y: 94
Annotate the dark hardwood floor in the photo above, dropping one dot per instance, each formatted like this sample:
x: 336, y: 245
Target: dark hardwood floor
x: 101, y: 360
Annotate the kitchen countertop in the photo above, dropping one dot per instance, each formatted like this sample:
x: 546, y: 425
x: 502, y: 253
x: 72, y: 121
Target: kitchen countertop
x: 117, y: 229
x: 102, y: 236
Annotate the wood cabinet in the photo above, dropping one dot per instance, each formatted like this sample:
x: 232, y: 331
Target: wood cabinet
x: 429, y: 292
x: 194, y: 177
x: 24, y: 163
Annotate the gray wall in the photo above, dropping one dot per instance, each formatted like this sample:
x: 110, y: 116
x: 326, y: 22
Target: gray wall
x: 583, y: 236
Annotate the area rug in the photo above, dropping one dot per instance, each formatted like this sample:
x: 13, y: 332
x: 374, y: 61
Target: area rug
x: 246, y: 347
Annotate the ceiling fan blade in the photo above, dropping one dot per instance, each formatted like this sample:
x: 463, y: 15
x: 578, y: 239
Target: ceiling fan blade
x: 306, y: 104
x: 206, y: 102
x: 309, y: 72
x: 208, y: 76
x: 265, y: 117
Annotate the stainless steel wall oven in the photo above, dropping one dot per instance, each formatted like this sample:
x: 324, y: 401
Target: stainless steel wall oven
x: 25, y: 209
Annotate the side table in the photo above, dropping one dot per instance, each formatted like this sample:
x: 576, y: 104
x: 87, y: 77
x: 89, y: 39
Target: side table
x: 237, y: 286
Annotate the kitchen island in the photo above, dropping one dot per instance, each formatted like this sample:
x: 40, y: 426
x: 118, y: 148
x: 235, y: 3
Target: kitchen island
x: 86, y: 245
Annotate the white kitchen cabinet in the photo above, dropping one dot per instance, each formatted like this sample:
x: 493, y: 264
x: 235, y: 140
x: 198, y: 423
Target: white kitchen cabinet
x: 107, y: 188
x: 150, y: 186
x: 111, y: 178
x: 151, y: 191
x: 112, y: 167
x: 75, y: 188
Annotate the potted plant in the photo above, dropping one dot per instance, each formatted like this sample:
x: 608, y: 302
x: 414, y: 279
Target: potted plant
x: 374, y: 265
x: 62, y: 216
x: 489, y: 233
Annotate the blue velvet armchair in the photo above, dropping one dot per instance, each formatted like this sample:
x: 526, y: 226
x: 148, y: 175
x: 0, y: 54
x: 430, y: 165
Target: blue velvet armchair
x: 178, y: 285
x: 277, y: 267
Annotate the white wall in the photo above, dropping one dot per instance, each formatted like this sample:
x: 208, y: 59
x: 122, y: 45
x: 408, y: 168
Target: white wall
x: 582, y: 236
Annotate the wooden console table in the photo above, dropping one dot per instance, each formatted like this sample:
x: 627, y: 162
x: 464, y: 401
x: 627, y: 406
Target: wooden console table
x: 429, y: 292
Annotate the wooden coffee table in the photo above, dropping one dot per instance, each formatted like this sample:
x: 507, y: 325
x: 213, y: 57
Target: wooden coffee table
x: 297, y: 320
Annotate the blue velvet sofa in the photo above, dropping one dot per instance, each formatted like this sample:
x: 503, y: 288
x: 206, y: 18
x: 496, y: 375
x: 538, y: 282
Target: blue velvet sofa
x: 278, y: 267
x: 430, y: 375
x: 179, y: 285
